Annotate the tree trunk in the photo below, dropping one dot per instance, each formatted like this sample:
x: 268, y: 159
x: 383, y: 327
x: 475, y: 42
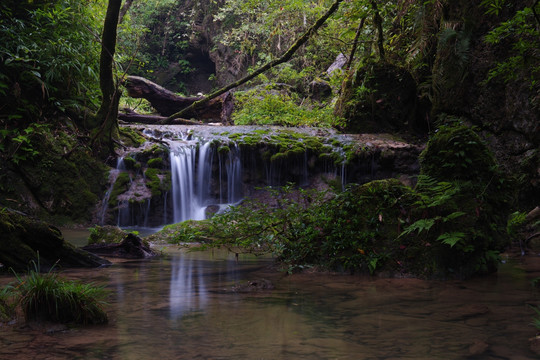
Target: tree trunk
x: 131, y: 116
x: 166, y: 102
x: 377, y: 21
x: 284, y: 58
x: 103, y: 141
x: 355, y: 43
x: 124, y: 10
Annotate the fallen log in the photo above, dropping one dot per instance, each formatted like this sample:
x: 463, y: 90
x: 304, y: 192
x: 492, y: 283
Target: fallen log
x: 131, y: 116
x: 167, y: 103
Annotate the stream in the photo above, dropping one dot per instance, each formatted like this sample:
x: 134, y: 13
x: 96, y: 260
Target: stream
x: 182, y: 306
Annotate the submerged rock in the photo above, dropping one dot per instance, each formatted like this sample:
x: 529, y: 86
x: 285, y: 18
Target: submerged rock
x: 24, y: 239
x: 131, y: 247
x: 254, y: 286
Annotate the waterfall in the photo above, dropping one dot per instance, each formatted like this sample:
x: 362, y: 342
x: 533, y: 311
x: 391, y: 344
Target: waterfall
x: 181, y: 176
x: 193, y: 179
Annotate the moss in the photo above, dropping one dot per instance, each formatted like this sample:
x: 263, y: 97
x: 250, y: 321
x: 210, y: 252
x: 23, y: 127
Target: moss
x: 153, y: 181
x: 156, y: 163
x: 131, y: 137
x: 188, y: 231
x: 129, y: 162
x: 155, y: 151
x: 121, y: 185
x: 62, y: 176
x: 456, y: 152
x: 224, y: 149
x: 377, y: 97
x: 106, y: 235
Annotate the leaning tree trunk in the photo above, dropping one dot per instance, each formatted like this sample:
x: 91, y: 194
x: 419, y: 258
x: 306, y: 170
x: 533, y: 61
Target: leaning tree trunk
x: 167, y: 103
x: 284, y: 58
x: 103, y: 141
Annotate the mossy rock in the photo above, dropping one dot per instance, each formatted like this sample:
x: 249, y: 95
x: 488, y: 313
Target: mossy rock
x: 153, y: 182
x: 121, y: 185
x: 456, y: 152
x: 106, y: 235
x: 23, y: 238
x: 189, y: 231
x: 66, y: 187
x: 156, y: 163
x: 377, y: 97
x: 131, y: 137
x: 477, y: 189
x: 129, y: 162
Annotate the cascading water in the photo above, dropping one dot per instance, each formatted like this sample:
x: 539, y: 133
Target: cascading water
x: 194, y: 176
x: 178, y: 176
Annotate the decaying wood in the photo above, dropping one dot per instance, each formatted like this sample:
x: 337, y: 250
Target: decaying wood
x: 131, y: 116
x: 167, y: 103
x: 284, y: 58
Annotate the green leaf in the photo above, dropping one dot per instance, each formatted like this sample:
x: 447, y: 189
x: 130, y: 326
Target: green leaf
x: 451, y: 238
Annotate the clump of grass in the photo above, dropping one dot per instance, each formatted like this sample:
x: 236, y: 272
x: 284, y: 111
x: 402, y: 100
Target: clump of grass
x: 7, y: 305
x: 46, y: 296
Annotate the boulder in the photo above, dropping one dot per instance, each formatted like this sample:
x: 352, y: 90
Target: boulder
x: 378, y: 97
x: 24, y: 239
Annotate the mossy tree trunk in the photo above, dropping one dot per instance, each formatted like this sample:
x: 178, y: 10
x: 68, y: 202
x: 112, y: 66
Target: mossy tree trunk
x: 103, y: 141
x: 377, y: 21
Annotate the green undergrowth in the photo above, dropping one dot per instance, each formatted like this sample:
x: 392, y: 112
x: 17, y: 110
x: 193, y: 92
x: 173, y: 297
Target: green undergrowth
x: 451, y: 225
x: 189, y: 231
x: 274, y: 108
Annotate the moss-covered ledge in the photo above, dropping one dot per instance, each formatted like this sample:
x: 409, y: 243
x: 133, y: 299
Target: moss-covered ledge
x: 25, y: 239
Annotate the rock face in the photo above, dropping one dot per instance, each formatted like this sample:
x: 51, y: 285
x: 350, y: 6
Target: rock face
x: 378, y: 97
x: 23, y: 239
x: 216, y: 166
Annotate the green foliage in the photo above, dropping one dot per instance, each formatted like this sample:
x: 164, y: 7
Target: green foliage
x: 49, y: 56
x: 158, y: 34
x: 536, y: 319
x: 18, y: 144
x: 270, y: 108
x: 464, y: 203
x: 346, y: 231
x: 515, y: 221
x: 46, y: 296
x: 7, y: 304
x: 451, y: 225
x: 520, y: 33
x: 189, y: 231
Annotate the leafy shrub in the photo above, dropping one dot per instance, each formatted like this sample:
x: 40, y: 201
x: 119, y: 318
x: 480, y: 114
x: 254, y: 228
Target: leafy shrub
x: 269, y: 108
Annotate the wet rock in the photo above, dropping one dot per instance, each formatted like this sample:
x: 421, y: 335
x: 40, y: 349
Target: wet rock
x: 132, y: 247
x: 466, y: 312
x: 254, y: 286
x: 320, y: 90
x: 338, y: 64
x: 478, y: 347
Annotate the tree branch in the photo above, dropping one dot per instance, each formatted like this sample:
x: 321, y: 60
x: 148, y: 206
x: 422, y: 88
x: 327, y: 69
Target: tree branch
x: 284, y: 58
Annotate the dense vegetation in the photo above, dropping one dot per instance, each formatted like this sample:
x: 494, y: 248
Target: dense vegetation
x: 407, y: 67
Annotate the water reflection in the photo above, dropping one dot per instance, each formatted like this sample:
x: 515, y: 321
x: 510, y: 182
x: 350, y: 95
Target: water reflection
x: 182, y: 307
x: 188, y: 291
